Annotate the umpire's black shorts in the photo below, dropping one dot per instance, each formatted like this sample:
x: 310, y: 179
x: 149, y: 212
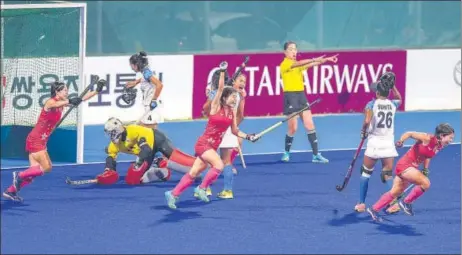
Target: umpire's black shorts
x: 294, y: 102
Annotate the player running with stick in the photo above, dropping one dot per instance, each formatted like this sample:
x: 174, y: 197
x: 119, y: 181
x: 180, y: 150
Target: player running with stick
x: 407, y: 172
x: 144, y: 143
x: 221, y: 118
x: 295, y: 98
x: 229, y: 147
x: 36, y: 142
x: 151, y: 87
x: 378, y: 127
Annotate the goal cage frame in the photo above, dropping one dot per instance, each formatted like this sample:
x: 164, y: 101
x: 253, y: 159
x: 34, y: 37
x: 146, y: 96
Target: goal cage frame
x: 81, y: 81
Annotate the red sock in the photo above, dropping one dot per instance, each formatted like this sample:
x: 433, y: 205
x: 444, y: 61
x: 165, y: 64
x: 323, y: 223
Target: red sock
x: 234, y: 155
x: 384, y: 200
x: 184, y: 183
x: 210, y: 178
x: 31, y: 172
x: 23, y: 183
x: 415, y: 193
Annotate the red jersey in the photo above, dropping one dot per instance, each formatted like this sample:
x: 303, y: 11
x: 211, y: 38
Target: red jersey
x: 214, y: 131
x: 38, y: 137
x: 417, y: 154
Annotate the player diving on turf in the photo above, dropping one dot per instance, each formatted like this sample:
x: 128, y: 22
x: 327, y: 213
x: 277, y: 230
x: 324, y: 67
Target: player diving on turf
x: 144, y: 143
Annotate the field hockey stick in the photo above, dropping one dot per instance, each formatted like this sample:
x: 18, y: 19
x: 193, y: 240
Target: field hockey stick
x: 80, y: 182
x: 241, y: 156
x: 287, y: 118
x: 239, y: 70
x: 350, y: 169
x: 94, y: 80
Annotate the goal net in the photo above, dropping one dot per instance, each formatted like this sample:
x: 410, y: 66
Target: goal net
x: 40, y: 44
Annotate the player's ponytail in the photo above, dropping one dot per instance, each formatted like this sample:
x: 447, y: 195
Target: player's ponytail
x: 443, y: 129
x: 56, y: 87
x: 143, y: 60
x: 140, y: 60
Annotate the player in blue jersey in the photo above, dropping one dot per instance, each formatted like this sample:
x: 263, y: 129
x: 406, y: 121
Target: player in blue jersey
x: 378, y: 128
x: 151, y: 88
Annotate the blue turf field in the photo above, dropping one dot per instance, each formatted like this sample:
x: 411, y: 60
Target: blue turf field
x: 278, y: 208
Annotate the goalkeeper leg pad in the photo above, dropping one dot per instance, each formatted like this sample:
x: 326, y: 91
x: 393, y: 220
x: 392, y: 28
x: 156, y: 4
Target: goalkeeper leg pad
x: 156, y: 175
x: 180, y: 161
x: 134, y: 174
x: 108, y: 177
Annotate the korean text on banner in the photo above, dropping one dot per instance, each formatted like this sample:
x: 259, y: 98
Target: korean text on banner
x: 175, y: 72
x: 433, y: 80
x: 343, y: 86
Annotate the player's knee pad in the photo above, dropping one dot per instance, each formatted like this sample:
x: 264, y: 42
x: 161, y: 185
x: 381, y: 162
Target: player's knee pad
x: 385, y: 175
x: 366, y: 172
x: 134, y: 174
x: 108, y: 177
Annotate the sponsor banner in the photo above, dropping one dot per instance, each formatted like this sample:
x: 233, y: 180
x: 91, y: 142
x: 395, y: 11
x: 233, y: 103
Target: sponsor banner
x: 26, y: 84
x: 343, y: 86
x: 175, y: 72
x: 433, y: 79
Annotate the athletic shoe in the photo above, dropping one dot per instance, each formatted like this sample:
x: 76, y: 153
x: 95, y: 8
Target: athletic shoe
x: 202, y: 194
x: 392, y: 209
x: 319, y: 159
x: 375, y: 216
x: 208, y: 191
x: 285, y: 157
x: 360, y: 208
x: 12, y: 196
x: 226, y: 194
x: 171, y: 199
x: 407, y: 208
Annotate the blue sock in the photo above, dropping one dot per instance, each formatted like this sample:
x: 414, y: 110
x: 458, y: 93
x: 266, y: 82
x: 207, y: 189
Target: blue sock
x: 228, y: 177
x: 363, y: 186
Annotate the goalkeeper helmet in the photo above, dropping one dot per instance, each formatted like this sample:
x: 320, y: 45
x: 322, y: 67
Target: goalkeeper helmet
x: 114, y: 128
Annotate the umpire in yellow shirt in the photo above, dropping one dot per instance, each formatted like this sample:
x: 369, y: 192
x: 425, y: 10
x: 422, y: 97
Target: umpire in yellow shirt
x: 295, y: 98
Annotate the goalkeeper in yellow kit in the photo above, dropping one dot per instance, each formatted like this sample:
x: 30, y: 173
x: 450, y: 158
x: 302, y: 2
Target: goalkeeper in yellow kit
x: 144, y: 143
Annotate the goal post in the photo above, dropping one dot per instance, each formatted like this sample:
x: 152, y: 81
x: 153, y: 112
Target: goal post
x: 41, y: 43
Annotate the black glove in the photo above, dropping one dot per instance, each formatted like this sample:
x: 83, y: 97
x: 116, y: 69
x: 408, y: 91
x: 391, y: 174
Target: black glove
x: 129, y: 95
x: 388, y: 80
x: 426, y: 171
x: 100, y: 85
x: 75, y: 101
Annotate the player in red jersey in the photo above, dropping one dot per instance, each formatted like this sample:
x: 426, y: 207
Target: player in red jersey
x: 36, y: 142
x: 220, y: 119
x: 407, y: 172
